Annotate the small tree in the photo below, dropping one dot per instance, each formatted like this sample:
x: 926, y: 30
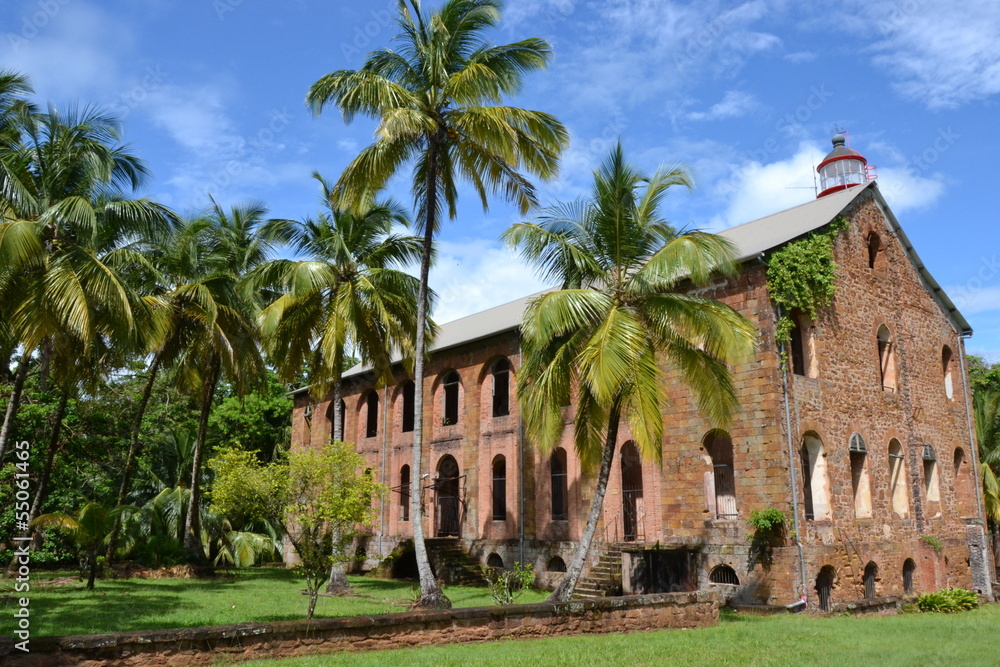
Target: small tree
x: 319, y: 497
x: 90, y: 529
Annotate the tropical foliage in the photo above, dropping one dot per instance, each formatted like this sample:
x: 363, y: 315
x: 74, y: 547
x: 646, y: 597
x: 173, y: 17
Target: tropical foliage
x: 620, y: 321
x: 439, y: 99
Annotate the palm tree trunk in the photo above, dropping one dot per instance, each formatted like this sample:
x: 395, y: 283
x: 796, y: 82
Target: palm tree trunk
x: 43, y: 478
x: 338, y: 585
x: 337, y: 433
x: 430, y: 593
x: 14, y: 403
x: 192, y: 522
x: 50, y: 454
x: 93, y: 569
x: 135, y: 448
x: 44, y: 363
x: 564, y: 592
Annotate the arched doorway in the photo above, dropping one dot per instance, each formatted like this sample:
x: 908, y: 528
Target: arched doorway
x: 446, y: 499
x: 631, y: 492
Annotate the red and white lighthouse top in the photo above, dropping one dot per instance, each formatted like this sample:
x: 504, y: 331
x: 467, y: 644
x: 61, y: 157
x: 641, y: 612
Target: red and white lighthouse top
x: 841, y: 168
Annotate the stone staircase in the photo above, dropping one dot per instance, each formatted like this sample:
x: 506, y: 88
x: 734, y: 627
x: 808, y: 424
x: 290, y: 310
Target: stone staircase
x: 451, y: 563
x: 604, y: 578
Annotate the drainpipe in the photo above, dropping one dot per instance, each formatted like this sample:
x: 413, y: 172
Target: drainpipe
x: 385, y: 440
x: 520, y: 471
x: 794, y: 477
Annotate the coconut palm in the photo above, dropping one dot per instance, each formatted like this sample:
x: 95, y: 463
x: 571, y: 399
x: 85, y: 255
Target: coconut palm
x: 63, y: 239
x: 618, y: 322
x: 349, y: 291
x: 439, y: 103
x: 986, y: 411
x: 89, y: 529
x: 217, y: 335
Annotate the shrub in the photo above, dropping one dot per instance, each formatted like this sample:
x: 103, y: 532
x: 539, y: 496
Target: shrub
x: 506, y: 585
x: 948, y: 600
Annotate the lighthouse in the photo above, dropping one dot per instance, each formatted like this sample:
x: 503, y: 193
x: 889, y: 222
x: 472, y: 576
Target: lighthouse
x: 842, y: 168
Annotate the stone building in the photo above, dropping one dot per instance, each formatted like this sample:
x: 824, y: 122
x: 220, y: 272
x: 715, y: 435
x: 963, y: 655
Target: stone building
x: 865, y: 442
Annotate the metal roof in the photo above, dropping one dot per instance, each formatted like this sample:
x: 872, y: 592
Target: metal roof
x: 751, y: 240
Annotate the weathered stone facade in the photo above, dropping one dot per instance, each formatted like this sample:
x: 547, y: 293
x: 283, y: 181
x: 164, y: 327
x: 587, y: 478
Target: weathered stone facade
x: 906, y: 394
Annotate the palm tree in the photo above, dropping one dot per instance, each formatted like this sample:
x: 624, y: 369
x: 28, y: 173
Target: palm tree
x: 63, y: 239
x: 218, y: 337
x: 348, y: 291
x: 617, y: 318
x: 438, y: 100
x: 89, y: 529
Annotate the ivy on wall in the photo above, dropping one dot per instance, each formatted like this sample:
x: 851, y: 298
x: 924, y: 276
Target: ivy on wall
x: 801, y: 276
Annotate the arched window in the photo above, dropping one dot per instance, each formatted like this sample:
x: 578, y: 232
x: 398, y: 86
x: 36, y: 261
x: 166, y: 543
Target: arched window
x: 723, y: 574
x: 909, y: 567
x: 949, y: 387
x: 557, y: 464
x: 556, y: 564
x: 501, y: 388
x: 499, y: 488
x: 803, y: 346
x: 409, y: 390
x: 494, y: 560
x: 719, y: 447
x: 633, y: 508
x: 932, y: 486
x: 875, y: 251
x: 404, y: 493
x: 871, y: 574
x: 887, y: 359
x: 371, y: 424
x: 824, y: 587
x: 815, y: 481
x: 897, y: 480
x: 451, y: 385
x: 859, y: 477
x: 334, y: 433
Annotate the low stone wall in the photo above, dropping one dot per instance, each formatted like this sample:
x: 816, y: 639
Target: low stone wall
x: 884, y: 605
x: 203, y: 646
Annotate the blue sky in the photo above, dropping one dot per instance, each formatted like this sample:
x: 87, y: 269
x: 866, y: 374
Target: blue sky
x: 747, y: 95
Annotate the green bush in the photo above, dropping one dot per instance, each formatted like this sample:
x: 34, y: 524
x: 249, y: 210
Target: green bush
x: 948, y: 600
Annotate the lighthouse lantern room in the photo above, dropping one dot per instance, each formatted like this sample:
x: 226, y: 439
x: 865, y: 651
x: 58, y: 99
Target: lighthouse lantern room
x: 841, y: 168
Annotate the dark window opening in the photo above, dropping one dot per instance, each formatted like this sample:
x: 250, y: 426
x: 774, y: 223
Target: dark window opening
x: 874, y: 250
x: 448, y: 497
x: 499, y: 488
x: 824, y: 587
x: 409, y: 389
x: 559, y: 485
x: 871, y: 572
x: 451, y: 382
x: 501, y: 388
x: 908, y: 569
x: 798, y: 350
x: 807, y: 484
x: 371, y: 425
x: 723, y: 574
x: 556, y: 564
x: 404, y: 493
x: 632, y: 502
x: 719, y: 446
x: 494, y: 560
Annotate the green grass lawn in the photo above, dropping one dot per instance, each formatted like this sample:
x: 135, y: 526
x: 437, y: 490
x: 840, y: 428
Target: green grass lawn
x: 253, y: 595
x: 970, y: 638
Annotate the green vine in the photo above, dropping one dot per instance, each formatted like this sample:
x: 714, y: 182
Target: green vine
x: 801, y: 276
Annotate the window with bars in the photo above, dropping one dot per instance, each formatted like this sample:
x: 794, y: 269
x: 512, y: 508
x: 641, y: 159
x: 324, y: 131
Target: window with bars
x: 719, y: 446
x: 499, y: 488
x: 451, y: 386
x: 560, y: 510
x: 724, y: 574
x: 870, y: 575
x: 824, y: 587
x: 501, y: 388
x: 404, y: 493
x: 909, y: 567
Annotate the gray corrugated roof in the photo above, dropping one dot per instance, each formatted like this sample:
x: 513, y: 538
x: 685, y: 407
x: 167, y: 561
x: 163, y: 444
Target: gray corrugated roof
x: 751, y: 239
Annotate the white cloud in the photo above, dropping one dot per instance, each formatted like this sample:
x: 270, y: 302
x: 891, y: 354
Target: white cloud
x: 734, y: 104
x: 941, y: 55
x: 67, y: 49
x: 472, y: 275
x: 972, y: 298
